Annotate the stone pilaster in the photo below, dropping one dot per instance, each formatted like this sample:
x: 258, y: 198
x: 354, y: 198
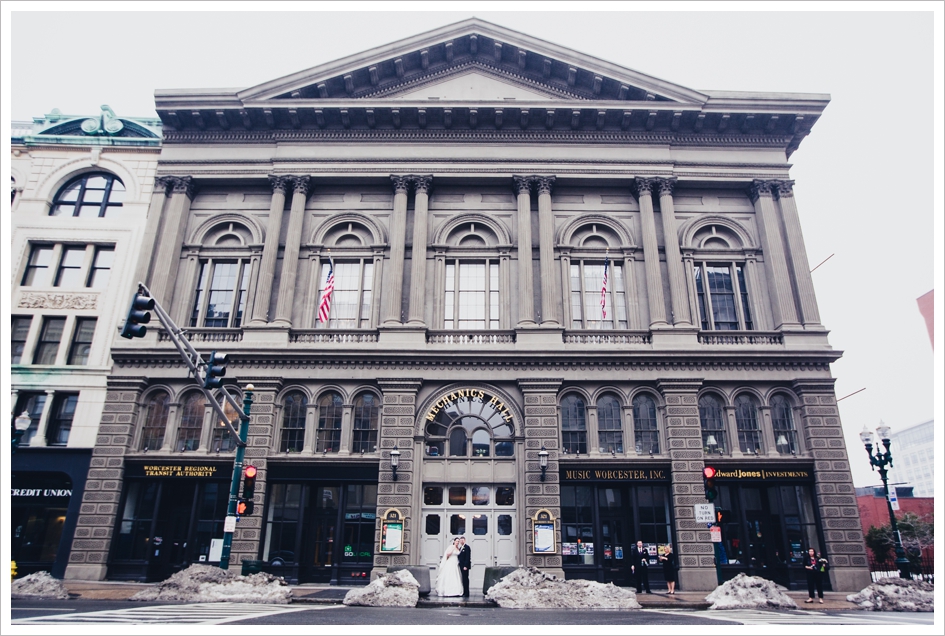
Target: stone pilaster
x: 290, y: 256
x: 541, y: 429
x: 172, y: 237
x: 267, y: 266
x: 418, y: 263
x: 91, y: 543
x: 835, y: 496
x: 149, y: 240
x: 776, y: 269
x: 526, y: 293
x: 797, y: 255
x: 394, y: 279
x: 684, y: 435
x: 679, y: 300
x: 550, y: 302
x: 651, y: 254
x: 398, y: 418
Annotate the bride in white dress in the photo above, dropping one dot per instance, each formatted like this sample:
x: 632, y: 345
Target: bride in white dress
x: 449, y: 581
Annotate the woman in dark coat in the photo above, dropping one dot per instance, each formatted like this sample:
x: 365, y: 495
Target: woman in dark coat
x: 816, y: 566
x: 668, y: 559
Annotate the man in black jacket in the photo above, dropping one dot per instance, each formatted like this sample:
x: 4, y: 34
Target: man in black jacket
x: 640, y: 566
x: 465, y: 562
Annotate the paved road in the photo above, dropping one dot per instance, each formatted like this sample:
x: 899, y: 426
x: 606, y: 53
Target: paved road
x: 124, y: 612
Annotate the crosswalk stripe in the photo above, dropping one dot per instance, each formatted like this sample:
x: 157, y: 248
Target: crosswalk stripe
x: 792, y: 617
x: 197, y: 613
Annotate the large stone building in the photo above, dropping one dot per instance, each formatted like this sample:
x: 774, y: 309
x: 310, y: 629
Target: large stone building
x: 80, y: 188
x: 472, y: 189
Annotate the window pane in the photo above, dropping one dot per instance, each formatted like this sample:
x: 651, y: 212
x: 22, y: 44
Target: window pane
x: 480, y: 440
x: 101, y: 267
x: 505, y: 496
x: 70, y: 267
x: 504, y: 524
x: 457, y: 524
x: 457, y: 442
x: 19, y: 328
x: 480, y: 524
x: 48, y: 346
x: 155, y: 423
x: 60, y: 422
x: 330, y: 409
x: 82, y: 341
x: 37, y: 271
x: 480, y: 495
x: 713, y: 427
x: 222, y: 286
x: 191, y: 422
x: 293, y: 422
x: 433, y: 524
x: 457, y: 496
x: 433, y: 495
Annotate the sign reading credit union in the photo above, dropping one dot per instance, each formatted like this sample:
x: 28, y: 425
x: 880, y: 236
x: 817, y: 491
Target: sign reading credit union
x: 659, y: 473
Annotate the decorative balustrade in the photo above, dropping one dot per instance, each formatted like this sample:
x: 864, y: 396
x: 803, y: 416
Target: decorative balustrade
x: 607, y: 337
x: 206, y: 335
x: 741, y: 338
x: 470, y: 337
x: 337, y: 336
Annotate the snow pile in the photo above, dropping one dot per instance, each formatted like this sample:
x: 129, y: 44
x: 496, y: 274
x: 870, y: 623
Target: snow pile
x: 208, y: 584
x: 750, y: 592
x: 39, y: 585
x: 395, y: 589
x: 530, y: 588
x: 895, y: 595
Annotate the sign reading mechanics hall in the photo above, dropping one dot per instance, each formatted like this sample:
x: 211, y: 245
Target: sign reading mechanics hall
x: 476, y: 395
x: 200, y: 471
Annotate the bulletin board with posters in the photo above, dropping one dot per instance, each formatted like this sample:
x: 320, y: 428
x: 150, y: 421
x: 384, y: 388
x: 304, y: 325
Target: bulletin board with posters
x: 392, y: 532
x: 543, y: 533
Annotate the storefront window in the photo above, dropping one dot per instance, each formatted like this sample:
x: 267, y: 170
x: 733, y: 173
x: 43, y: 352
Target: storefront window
x: 360, y: 515
x: 577, y: 530
x: 286, y: 507
x: 326, y: 520
x: 37, y: 515
x: 211, y: 511
x: 134, y: 529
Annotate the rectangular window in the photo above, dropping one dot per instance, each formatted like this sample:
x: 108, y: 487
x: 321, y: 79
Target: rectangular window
x: 69, y: 274
x: 19, y: 331
x: 81, y: 341
x: 38, y: 268
x: 60, y: 419
x: 101, y: 267
x: 285, y: 514
x: 587, y: 289
x: 352, y: 296
x: 33, y: 404
x: 722, y: 296
x: 220, y: 298
x: 471, y: 295
x: 49, y: 338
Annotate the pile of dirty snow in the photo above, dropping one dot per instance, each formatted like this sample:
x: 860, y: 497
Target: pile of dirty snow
x: 895, y: 595
x: 750, y: 592
x: 38, y: 585
x: 530, y: 588
x: 208, y: 584
x: 394, y: 589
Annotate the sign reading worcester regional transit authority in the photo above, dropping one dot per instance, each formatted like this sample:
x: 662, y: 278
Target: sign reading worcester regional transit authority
x: 200, y: 471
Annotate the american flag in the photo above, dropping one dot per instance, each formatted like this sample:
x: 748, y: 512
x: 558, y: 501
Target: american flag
x: 324, y: 307
x: 603, y: 290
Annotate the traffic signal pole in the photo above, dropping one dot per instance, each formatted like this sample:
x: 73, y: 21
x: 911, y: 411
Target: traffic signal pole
x: 138, y: 315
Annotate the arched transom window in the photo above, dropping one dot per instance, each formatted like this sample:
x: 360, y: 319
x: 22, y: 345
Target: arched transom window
x: 469, y: 422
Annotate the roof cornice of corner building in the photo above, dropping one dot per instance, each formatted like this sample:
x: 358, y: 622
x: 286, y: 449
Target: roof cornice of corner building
x: 758, y: 101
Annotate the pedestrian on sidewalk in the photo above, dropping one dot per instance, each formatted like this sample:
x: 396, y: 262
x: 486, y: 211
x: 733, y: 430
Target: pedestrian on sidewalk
x: 668, y: 559
x: 640, y: 566
x: 816, y: 566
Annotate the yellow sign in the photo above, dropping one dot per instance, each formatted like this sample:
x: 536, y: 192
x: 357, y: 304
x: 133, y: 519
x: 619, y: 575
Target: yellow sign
x: 170, y: 470
x: 646, y: 474
x: 761, y: 474
x: 469, y: 394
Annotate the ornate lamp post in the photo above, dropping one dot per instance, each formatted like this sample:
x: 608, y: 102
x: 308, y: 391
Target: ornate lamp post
x: 20, y: 425
x: 881, y: 460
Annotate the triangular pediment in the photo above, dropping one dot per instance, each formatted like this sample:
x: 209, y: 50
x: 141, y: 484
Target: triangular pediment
x: 474, y: 84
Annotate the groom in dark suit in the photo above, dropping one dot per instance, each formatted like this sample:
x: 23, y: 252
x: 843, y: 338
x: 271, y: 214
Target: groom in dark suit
x: 465, y: 562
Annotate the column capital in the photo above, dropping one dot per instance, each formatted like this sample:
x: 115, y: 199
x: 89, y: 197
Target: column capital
x: 164, y: 183
x: 785, y: 189
x: 644, y: 185
x: 521, y: 185
x: 544, y: 184
x: 760, y: 188
x: 279, y: 183
x: 422, y: 184
x: 666, y: 185
x: 300, y: 185
x: 401, y: 183
x: 183, y: 185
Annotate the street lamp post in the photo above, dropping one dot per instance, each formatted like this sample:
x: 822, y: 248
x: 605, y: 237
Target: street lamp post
x: 20, y: 425
x: 881, y: 460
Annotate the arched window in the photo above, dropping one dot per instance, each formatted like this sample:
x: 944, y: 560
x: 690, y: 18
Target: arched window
x: 330, y: 408
x: 293, y: 422
x: 467, y: 414
x: 367, y: 409
x: 609, y: 425
x: 713, y: 425
x: 155, y: 421
x: 573, y: 425
x: 782, y: 421
x: 225, y: 269
x: 646, y: 435
x: 221, y: 439
x: 191, y: 422
x: 746, y: 421
x: 97, y: 194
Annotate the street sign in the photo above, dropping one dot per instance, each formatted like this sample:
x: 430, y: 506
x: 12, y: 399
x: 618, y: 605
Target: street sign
x: 894, y: 500
x: 705, y: 512
x: 229, y: 524
x: 715, y: 533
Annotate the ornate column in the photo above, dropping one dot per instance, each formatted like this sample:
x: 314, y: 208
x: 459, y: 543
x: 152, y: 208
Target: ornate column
x: 418, y: 264
x: 834, y: 494
x: 393, y: 288
x: 155, y: 212
x: 797, y: 254
x: 347, y: 416
x: 684, y: 445
x: 526, y: 293
x: 677, y: 281
x: 39, y: 437
x: 171, y: 240
x: 776, y: 269
x: 290, y: 257
x: 267, y: 267
x: 651, y: 254
x: 546, y: 253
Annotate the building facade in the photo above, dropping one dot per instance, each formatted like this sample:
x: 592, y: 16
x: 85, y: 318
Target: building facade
x: 80, y: 188
x: 561, y: 288
x: 913, y: 450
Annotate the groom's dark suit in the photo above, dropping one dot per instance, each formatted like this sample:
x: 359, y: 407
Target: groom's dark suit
x: 465, y: 562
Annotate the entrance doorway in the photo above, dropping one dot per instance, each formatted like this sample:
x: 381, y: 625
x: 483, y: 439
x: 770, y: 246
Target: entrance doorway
x: 484, y: 514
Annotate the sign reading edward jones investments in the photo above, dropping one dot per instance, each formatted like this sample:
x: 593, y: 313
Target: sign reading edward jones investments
x: 763, y: 474
x: 200, y: 471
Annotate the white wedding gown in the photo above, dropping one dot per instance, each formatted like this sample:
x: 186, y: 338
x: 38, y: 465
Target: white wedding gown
x: 449, y: 582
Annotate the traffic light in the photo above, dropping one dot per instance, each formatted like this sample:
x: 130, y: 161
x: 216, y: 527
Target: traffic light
x: 241, y: 507
x: 216, y: 369
x: 138, y: 315
x: 708, y: 480
x: 249, y: 486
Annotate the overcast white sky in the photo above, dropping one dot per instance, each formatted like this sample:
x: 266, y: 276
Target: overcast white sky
x: 864, y: 176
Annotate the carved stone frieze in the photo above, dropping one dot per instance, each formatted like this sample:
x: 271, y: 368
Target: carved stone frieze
x: 48, y: 300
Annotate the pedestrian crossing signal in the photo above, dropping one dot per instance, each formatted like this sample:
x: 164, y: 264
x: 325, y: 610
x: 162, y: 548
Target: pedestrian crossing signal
x: 241, y: 507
